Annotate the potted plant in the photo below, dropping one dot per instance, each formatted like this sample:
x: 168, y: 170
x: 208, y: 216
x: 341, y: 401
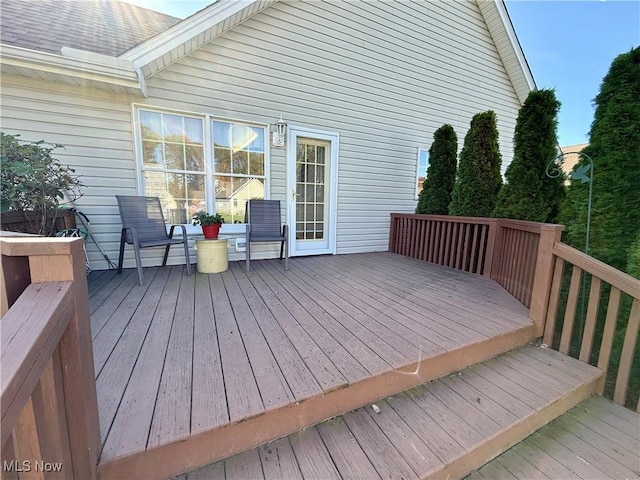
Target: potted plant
x: 34, y: 186
x: 210, y: 224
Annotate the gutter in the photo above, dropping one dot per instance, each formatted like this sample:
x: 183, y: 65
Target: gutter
x: 99, y: 71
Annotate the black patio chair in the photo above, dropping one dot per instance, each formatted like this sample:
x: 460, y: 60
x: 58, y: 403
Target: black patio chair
x: 264, y: 225
x: 143, y: 226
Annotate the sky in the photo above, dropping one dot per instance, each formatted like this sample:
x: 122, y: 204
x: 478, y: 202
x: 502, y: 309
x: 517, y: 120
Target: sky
x: 569, y: 46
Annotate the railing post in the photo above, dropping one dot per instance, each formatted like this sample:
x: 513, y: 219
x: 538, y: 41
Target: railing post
x: 549, y: 235
x: 491, y: 246
x: 65, y: 261
x: 392, y: 233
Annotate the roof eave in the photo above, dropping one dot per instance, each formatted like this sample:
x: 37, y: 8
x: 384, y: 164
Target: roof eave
x: 510, y: 51
x: 195, y: 31
x: 73, y: 67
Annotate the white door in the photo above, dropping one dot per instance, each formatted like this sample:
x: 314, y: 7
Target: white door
x: 312, y: 167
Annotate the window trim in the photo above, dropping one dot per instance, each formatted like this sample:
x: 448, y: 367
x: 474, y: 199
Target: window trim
x: 207, y: 122
x: 419, y: 150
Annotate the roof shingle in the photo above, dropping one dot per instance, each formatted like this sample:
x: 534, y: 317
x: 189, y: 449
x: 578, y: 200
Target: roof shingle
x: 109, y: 27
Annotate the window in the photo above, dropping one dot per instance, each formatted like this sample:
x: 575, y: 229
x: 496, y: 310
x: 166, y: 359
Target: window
x: 421, y: 174
x: 239, y: 165
x: 192, y: 172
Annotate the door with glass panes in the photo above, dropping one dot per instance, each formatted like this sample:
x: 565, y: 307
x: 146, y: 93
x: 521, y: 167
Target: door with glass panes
x: 312, y: 160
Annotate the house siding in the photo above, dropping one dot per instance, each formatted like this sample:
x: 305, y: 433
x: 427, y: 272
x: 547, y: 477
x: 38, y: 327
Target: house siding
x: 382, y: 75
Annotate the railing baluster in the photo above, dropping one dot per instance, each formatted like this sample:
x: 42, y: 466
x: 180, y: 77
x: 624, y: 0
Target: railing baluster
x: 27, y: 443
x: 626, y: 358
x: 554, y: 298
x: 570, y: 311
x: 609, y: 328
x: 482, y: 249
x: 590, y: 324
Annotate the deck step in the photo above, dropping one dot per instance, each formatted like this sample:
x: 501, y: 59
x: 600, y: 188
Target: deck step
x: 444, y: 428
x: 596, y: 439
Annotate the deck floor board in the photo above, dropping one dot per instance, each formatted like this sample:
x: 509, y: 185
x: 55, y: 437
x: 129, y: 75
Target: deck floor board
x: 184, y: 355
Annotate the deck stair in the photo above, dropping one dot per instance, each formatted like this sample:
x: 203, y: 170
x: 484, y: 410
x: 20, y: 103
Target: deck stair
x: 446, y: 428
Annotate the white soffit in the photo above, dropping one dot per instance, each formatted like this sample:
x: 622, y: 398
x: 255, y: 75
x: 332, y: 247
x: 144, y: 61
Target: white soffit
x: 506, y: 41
x: 192, y: 33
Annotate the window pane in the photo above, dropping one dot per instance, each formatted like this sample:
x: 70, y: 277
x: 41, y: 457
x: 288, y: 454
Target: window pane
x: 221, y: 134
x: 320, y: 154
x: 151, y: 124
x: 232, y: 194
x: 152, y: 154
x: 256, y: 163
x: 194, y: 158
x: 174, y: 156
x: 193, y: 130
x: 222, y: 160
x: 240, y: 163
x: 311, y: 153
x: 173, y: 128
x: 258, y: 144
x: 241, y: 137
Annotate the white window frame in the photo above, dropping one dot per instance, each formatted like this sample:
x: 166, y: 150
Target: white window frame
x: 426, y: 152
x: 207, y: 122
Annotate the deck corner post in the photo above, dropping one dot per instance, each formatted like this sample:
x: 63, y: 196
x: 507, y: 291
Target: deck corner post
x: 549, y: 235
x: 492, y: 246
x: 392, y: 233
x: 67, y: 263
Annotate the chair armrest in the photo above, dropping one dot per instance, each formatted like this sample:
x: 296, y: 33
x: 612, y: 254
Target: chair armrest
x: 184, y: 230
x: 134, y: 234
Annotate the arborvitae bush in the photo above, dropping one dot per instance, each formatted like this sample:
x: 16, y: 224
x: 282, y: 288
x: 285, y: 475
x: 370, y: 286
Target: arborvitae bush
x: 436, y: 190
x: 528, y: 193
x: 614, y: 146
x: 476, y: 188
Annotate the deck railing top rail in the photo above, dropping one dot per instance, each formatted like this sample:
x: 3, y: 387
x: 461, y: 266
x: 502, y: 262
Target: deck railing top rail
x: 48, y: 393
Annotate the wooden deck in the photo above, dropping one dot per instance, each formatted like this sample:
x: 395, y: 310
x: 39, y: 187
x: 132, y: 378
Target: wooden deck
x: 191, y: 369
x: 595, y: 440
x: 445, y: 428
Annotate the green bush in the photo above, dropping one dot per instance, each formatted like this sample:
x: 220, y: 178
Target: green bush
x: 476, y: 188
x: 32, y: 180
x: 614, y: 146
x: 436, y: 190
x: 528, y: 193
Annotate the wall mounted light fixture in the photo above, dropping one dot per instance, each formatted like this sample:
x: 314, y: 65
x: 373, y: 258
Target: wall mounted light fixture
x: 278, y: 137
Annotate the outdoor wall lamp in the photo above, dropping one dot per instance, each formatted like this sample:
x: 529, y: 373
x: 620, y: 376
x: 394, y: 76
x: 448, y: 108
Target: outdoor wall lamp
x: 278, y: 137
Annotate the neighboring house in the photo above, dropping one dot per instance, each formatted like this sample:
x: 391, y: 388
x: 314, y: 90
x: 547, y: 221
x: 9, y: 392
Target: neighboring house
x: 146, y: 103
x: 571, y: 154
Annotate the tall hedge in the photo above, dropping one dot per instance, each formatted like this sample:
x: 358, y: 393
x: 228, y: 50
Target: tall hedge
x: 614, y: 146
x: 478, y: 182
x: 436, y: 190
x: 528, y: 193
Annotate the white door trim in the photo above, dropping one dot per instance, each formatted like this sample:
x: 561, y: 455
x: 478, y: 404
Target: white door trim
x: 293, y: 132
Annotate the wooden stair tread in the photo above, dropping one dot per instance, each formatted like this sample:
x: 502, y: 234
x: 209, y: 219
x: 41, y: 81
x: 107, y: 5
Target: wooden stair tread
x: 579, y: 444
x: 447, y: 427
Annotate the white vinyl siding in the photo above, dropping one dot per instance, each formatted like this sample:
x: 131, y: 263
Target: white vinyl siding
x: 384, y: 75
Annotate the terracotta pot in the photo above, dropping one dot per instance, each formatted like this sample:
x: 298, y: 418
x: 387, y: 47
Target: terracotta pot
x: 211, y: 231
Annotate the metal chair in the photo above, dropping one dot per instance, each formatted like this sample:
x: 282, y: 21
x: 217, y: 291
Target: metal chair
x: 264, y: 225
x: 143, y: 226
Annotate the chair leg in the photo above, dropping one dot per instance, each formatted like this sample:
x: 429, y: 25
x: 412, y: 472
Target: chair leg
x: 286, y: 254
x: 248, y: 243
x: 186, y: 256
x: 123, y: 236
x: 136, y: 250
x: 166, y: 255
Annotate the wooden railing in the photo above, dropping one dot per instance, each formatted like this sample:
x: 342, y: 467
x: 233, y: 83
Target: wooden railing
x: 516, y: 254
x: 596, y: 336
x: 49, y: 426
x: 529, y: 261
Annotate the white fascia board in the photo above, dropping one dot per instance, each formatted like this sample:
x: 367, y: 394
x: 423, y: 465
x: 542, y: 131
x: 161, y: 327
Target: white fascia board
x: 184, y: 31
x: 515, y: 43
x: 91, y: 66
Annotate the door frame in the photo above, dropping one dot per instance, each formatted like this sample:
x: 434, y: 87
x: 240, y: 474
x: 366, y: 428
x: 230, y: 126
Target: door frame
x: 293, y: 132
